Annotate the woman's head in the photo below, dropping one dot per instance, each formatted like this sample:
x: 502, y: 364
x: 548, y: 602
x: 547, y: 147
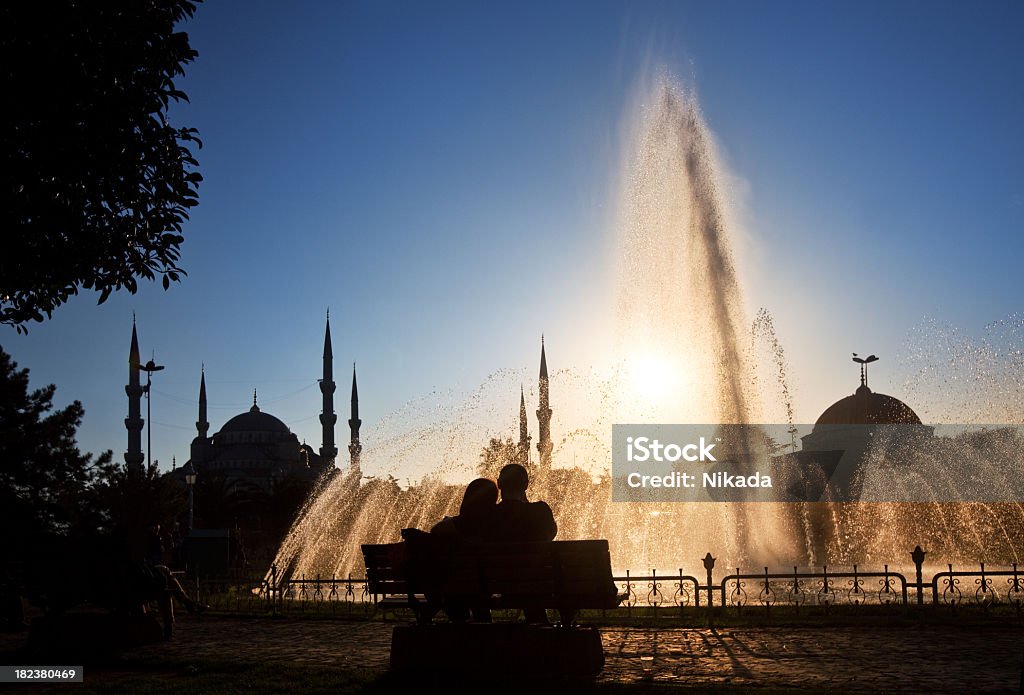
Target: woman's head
x: 480, y: 495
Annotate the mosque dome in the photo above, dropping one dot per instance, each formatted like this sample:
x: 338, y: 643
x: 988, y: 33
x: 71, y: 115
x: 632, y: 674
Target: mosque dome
x: 253, y: 427
x: 255, y: 421
x: 866, y: 407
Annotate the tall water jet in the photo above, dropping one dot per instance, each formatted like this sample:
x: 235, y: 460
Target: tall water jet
x: 679, y: 300
x: 680, y: 309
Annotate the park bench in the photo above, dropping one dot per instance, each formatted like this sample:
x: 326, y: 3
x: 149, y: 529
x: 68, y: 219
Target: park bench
x: 431, y: 573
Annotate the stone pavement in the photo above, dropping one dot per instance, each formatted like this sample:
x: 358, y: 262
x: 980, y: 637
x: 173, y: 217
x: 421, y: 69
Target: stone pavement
x: 900, y: 659
x: 932, y: 659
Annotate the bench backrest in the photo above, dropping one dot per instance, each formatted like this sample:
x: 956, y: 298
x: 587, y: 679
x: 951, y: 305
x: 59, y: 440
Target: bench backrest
x: 558, y: 571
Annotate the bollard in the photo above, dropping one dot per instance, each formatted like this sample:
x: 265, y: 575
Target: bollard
x: 918, y: 557
x: 709, y: 565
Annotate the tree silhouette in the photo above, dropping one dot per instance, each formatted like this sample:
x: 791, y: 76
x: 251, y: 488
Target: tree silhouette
x: 44, y: 478
x: 126, y: 502
x: 497, y: 454
x: 95, y: 182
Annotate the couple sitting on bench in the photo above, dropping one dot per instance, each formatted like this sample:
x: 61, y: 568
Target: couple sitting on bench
x: 483, y: 519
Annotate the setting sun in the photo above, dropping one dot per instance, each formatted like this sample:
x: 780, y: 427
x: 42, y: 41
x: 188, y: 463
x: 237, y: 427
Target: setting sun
x: 656, y: 379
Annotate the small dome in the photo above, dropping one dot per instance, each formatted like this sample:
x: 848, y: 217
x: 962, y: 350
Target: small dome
x: 868, y: 408
x: 254, y: 421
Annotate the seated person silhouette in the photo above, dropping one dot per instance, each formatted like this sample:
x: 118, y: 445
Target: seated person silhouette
x: 474, y: 517
x: 517, y: 519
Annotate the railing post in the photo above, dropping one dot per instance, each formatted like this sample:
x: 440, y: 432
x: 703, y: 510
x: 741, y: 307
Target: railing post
x: 918, y: 557
x: 272, y: 593
x: 696, y: 595
x: 629, y: 595
x: 824, y: 586
x: 986, y: 601
x: 1016, y: 591
x: 796, y: 589
x: 952, y: 584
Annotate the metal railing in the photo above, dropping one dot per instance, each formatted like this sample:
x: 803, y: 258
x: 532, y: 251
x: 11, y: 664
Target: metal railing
x: 826, y: 589
x: 656, y: 594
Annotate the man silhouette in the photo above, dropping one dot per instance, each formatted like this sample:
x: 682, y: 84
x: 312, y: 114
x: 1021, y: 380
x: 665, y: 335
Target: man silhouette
x: 515, y: 517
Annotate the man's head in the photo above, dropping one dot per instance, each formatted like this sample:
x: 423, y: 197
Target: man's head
x: 513, y: 481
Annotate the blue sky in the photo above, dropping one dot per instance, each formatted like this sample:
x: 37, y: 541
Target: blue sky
x: 442, y: 176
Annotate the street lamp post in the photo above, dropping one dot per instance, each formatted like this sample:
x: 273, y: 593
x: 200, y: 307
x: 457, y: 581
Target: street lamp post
x: 190, y: 481
x: 149, y: 368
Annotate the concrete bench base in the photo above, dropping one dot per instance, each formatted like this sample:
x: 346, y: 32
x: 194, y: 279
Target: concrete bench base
x: 510, y: 648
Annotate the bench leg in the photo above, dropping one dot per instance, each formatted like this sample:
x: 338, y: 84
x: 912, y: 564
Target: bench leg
x: 167, y: 614
x: 536, y: 616
x: 568, y: 616
x: 424, y: 613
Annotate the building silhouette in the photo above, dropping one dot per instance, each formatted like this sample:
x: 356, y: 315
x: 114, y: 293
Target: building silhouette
x: 134, y: 457
x: 254, y: 446
x: 846, y: 432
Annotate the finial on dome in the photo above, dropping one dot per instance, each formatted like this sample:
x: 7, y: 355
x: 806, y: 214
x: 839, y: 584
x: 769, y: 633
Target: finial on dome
x: 864, y: 362
x: 255, y: 408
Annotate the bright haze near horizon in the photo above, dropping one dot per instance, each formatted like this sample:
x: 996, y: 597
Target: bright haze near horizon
x: 443, y: 176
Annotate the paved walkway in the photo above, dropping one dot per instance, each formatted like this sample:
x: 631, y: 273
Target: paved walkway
x: 927, y: 659
x: 930, y: 659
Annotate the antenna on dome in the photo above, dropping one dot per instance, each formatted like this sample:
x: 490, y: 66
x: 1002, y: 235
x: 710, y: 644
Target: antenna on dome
x: 864, y: 362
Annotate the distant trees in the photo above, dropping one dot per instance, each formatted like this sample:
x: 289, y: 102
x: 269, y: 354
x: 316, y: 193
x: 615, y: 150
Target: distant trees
x: 498, y: 453
x: 128, y: 503
x: 95, y: 183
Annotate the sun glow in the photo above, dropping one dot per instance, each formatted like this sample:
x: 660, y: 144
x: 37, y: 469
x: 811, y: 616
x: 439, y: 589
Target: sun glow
x: 657, y: 380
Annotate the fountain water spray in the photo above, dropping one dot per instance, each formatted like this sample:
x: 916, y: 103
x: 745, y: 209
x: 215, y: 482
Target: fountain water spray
x: 684, y: 353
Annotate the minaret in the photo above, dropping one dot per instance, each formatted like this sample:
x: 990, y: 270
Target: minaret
x: 133, y: 458
x: 201, y: 441
x: 544, y: 445
x: 202, y: 426
x: 328, y: 452
x: 524, y: 431
x: 354, y: 447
